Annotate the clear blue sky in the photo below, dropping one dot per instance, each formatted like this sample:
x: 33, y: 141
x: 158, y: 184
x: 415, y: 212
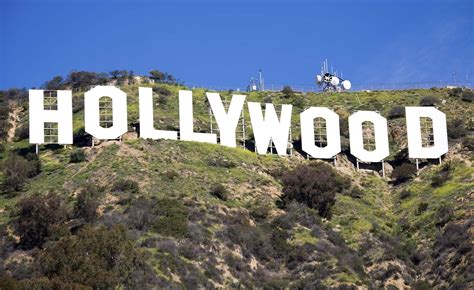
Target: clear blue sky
x: 224, y: 43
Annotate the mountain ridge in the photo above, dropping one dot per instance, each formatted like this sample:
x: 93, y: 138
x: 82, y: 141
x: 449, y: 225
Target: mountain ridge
x: 208, y: 216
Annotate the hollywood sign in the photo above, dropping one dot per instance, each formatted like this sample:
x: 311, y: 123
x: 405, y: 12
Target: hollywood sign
x: 267, y: 126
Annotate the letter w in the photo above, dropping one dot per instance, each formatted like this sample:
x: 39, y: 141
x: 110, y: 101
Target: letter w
x: 270, y: 128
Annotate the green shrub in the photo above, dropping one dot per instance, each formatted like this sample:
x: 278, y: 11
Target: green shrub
x: 403, y: 172
x: 4, y: 127
x: 100, y: 258
x: 140, y: 214
x: 421, y: 285
x: 468, y: 143
x: 429, y: 101
x: 220, y: 161
x: 287, y: 92
x: 315, y: 186
x: 218, y: 190
x: 260, y: 211
x: 77, y: 105
x: 356, y: 192
x: 468, y: 96
x: 444, y: 214
x: 87, y: 203
x: 77, y: 155
x: 9, y: 283
x: 443, y: 175
x: 456, y: 129
x: 404, y: 224
x: 171, y: 218
x: 396, y: 112
x: 170, y: 174
x: 126, y: 185
x: 161, y: 91
x: 163, y: 95
x: 455, y: 92
x: 422, y: 207
x: 22, y: 132
x: 405, y: 194
x: 37, y: 217
x: 299, y: 101
x: 42, y: 283
x: 17, y: 170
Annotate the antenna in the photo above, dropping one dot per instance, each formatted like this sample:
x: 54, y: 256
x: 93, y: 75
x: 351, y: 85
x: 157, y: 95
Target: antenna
x: 332, y: 80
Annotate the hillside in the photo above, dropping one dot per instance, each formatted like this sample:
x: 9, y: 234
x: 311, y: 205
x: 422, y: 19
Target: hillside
x: 145, y: 214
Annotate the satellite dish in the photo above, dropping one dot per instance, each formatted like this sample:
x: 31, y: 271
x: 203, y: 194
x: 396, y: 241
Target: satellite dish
x: 346, y: 85
x: 334, y: 81
x: 319, y: 79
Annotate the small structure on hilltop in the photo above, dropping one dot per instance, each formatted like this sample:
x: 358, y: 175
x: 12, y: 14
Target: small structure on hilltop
x: 331, y: 81
x: 256, y: 86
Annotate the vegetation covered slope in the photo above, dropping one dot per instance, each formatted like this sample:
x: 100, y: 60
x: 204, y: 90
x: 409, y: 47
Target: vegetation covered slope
x: 148, y: 214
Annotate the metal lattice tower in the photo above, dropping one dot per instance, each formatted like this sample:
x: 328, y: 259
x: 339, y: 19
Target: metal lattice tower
x: 50, y: 128
x: 271, y: 145
x: 106, y: 119
x: 105, y: 112
x: 368, y: 136
x: 427, y: 136
x: 320, y: 132
x: 320, y: 135
x: 240, y: 131
x: 368, y: 140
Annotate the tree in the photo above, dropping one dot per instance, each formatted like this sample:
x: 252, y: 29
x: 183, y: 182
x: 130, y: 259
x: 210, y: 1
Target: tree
x: 315, y: 186
x: 82, y: 79
x: 56, y: 83
x: 162, y: 77
x: 38, y: 215
x: 115, y: 74
x: 122, y: 76
x: 157, y: 75
x: 287, y: 92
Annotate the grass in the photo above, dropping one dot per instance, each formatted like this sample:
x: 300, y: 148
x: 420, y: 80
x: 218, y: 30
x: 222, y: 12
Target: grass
x: 184, y: 170
x: 301, y: 236
x: 448, y: 194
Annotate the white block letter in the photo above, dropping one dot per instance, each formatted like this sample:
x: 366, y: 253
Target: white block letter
x: 147, y: 129
x: 119, y: 112
x: 227, y: 122
x: 440, y: 134
x: 186, y: 120
x: 270, y: 128
x: 380, y: 133
x: 333, y: 137
x: 62, y: 116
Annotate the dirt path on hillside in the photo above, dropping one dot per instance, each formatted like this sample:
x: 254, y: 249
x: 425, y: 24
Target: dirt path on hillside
x: 13, y: 118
